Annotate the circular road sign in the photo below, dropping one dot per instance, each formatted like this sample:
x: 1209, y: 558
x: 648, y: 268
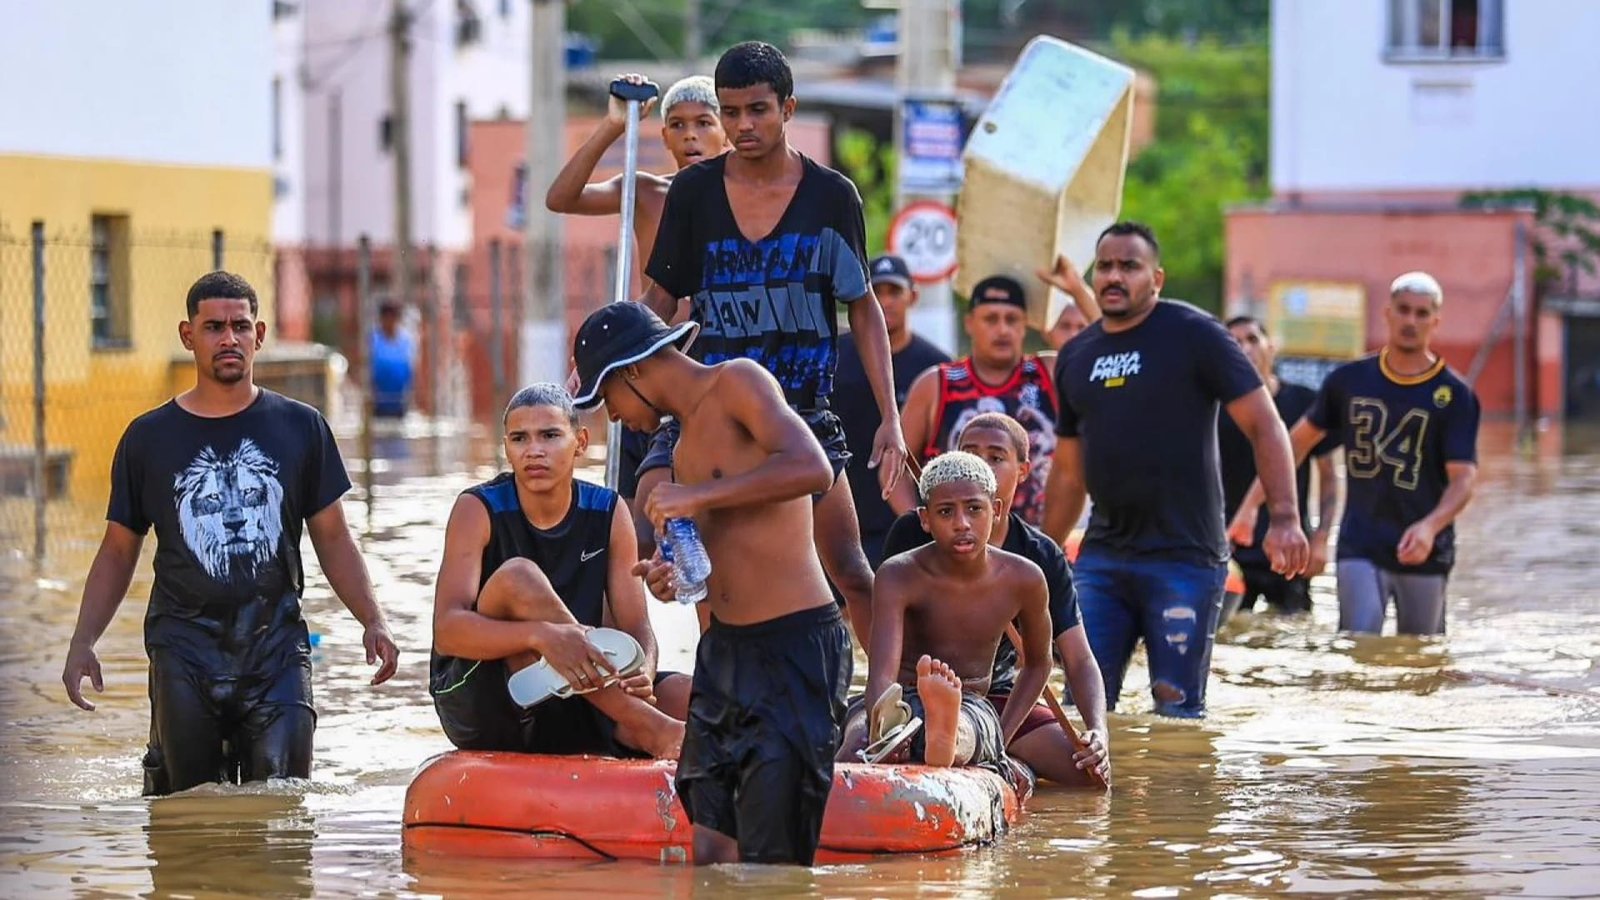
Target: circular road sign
x: 924, y: 235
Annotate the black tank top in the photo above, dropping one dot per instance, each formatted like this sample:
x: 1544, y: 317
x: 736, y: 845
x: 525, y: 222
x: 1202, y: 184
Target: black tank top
x: 470, y: 696
x: 574, y: 554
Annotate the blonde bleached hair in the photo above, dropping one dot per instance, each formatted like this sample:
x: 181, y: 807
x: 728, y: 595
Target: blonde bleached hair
x: 1418, y: 283
x: 956, y: 466
x: 694, y: 89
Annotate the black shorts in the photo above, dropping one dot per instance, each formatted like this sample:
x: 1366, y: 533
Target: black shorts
x: 765, y: 717
x: 1288, y: 595
x: 477, y: 713
x: 826, y: 426
x: 206, y: 727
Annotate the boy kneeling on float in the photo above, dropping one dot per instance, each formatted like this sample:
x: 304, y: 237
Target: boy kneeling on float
x: 541, y: 642
x: 938, y: 614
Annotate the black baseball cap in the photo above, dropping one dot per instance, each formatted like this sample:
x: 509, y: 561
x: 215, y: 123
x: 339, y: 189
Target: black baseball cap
x: 616, y: 335
x: 891, y: 269
x: 999, y: 289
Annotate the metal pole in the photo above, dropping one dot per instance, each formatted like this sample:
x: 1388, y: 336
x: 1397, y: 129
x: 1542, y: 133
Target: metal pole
x: 614, y: 429
x: 926, y: 67
x: 544, y: 345
x: 1519, y: 325
x: 41, y: 488
x: 497, y: 334
x: 216, y: 249
x: 335, y: 171
x: 440, y: 345
x: 364, y: 353
x: 400, y: 100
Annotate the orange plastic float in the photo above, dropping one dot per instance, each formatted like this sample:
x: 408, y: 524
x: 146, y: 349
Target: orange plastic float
x: 518, y: 805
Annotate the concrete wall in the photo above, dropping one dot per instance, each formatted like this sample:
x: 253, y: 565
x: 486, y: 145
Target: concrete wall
x: 1472, y: 255
x: 1344, y: 118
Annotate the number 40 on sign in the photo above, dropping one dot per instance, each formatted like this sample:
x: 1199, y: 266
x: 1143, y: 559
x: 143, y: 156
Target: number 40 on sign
x: 924, y: 235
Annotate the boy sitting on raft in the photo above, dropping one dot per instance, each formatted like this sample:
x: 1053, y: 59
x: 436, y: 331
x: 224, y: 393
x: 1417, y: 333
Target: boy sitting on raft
x: 533, y: 561
x: 945, y: 606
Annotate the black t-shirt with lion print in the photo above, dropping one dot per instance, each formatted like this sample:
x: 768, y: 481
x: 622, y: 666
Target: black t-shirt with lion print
x: 228, y: 498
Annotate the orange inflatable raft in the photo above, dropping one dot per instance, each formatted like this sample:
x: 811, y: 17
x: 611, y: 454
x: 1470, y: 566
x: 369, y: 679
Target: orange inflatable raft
x: 516, y: 805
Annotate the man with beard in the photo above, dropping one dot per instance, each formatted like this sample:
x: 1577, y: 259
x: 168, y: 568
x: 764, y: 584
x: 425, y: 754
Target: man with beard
x: 1410, y: 429
x: 1140, y: 390
x: 227, y: 473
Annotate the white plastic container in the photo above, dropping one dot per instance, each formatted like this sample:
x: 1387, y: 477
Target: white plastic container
x: 1044, y: 169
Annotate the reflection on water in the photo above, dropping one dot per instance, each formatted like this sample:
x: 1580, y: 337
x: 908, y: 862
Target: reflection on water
x: 1330, y: 763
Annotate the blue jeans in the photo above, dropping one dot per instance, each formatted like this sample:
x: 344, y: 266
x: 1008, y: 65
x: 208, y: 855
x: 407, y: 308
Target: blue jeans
x: 1173, y: 605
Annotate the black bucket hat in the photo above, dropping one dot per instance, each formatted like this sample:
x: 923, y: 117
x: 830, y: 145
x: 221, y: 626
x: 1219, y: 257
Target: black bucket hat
x: 616, y: 335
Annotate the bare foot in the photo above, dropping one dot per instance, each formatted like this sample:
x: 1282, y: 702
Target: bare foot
x: 940, y: 691
x: 662, y: 738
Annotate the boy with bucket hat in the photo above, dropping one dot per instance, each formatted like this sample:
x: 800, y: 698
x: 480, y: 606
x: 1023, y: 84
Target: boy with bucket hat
x: 771, y: 671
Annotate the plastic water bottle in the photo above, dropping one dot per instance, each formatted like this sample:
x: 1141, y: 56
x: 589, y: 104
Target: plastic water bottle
x: 682, y: 547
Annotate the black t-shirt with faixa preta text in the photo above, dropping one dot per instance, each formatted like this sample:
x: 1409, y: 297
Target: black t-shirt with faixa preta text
x: 1144, y: 404
x: 228, y: 498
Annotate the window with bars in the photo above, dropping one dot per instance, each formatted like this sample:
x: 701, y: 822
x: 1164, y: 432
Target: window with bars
x: 1423, y: 30
x: 108, y: 281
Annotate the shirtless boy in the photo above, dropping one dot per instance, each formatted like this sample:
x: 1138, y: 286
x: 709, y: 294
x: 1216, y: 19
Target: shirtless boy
x: 945, y: 606
x: 534, y: 559
x: 772, y: 669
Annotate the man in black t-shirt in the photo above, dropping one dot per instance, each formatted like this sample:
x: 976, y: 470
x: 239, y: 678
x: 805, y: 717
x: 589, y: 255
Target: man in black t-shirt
x: 227, y: 473
x: 1287, y: 595
x: 1140, y: 389
x: 913, y: 354
x: 1410, y: 430
x: 767, y: 242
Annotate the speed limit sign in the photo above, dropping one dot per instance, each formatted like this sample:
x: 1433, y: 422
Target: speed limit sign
x: 924, y: 235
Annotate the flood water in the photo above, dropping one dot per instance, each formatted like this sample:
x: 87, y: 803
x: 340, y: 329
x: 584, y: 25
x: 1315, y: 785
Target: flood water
x: 1465, y: 766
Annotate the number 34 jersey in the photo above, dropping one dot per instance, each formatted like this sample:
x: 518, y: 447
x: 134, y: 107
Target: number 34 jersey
x: 1398, y: 433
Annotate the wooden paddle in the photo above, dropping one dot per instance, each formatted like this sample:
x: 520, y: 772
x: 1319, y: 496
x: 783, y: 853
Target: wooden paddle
x: 1050, y: 700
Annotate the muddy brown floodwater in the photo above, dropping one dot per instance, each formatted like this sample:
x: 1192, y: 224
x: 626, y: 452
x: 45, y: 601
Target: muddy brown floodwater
x: 1466, y: 766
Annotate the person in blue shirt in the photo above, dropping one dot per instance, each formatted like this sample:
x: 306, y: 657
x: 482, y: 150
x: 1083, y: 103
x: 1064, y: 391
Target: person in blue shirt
x: 393, y: 354
x: 1410, y: 431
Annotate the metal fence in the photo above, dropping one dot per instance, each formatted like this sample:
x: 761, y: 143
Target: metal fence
x: 88, y: 340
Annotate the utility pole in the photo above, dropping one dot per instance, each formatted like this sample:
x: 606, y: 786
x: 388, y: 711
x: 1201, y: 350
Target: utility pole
x: 929, y: 38
x: 693, y: 41
x: 400, y: 142
x: 543, y: 345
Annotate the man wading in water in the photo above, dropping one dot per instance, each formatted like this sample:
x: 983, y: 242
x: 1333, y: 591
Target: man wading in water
x: 227, y: 473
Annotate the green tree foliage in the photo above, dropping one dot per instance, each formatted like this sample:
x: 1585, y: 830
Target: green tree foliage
x: 871, y: 165
x: 1567, y: 239
x: 1211, y: 151
x: 649, y: 29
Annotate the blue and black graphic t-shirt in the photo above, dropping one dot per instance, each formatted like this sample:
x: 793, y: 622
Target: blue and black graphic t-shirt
x: 772, y: 300
x: 1399, y: 432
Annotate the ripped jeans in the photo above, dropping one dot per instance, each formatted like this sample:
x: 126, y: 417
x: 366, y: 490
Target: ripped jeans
x: 1173, y: 605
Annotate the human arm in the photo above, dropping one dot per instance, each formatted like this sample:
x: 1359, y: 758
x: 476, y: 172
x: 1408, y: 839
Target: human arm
x: 1327, y: 510
x: 1242, y: 531
x: 625, y: 600
x: 347, y: 574
x: 1033, y: 621
x: 916, y: 421
x: 1064, y: 490
x: 571, y: 192
x: 1066, y: 278
x: 1258, y: 420
x: 103, y: 590
x: 794, y: 465
x: 872, y: 342
x: 1416, y: 544
x: 890, y: 595
x: 1089, y: 693
x: 459, y: 630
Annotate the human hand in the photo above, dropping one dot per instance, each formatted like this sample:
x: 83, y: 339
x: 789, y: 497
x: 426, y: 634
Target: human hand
x: 1242, y: 530
x: 1319, y: 554
x: 1095, y: 756
x: 642, y: 684
x: 671, y: 500
x: 1065, y: 277
x: 81, y: 664
x: 888, y: 455
x: 381, y: 651
x: 617, y: 108
x: 1286, y: 548
x: 566, y: 647
x: 1416, y: 544
x: 657, y: 575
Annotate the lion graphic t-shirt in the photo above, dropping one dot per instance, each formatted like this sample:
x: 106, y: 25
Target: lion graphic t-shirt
x: 228, y: 498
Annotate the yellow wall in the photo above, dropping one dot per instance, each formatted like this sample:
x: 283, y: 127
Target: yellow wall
x: 92, y: 394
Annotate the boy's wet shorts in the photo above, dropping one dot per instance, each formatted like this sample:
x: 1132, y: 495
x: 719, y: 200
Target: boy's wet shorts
x: 477, y: 713
x: 207, y: 727
x: 765, y: 717
x: 827, y: 428
x: 989, y: 749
